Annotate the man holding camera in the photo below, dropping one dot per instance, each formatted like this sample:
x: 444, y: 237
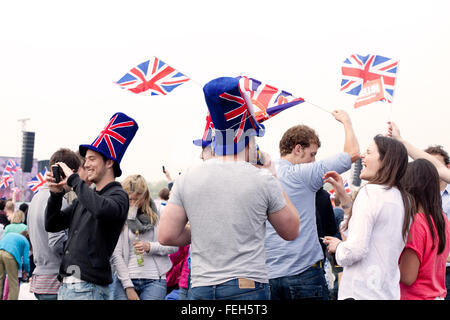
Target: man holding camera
x: 95, y: 219
x: 47, y: 247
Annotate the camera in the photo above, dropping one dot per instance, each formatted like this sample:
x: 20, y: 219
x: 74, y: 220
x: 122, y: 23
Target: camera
x: 58, y: 173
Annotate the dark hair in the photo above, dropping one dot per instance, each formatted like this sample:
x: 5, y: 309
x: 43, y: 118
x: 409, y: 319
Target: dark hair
x: 394, y: 162
x: 68, y: 157
x: 437, y: 149
x: 23, y: 207
x: 81, y: 158
x: 300, y: 134
x: 164, y: 193
x: 116, y: 168
x: 422, y: 182
x: 2, y: 204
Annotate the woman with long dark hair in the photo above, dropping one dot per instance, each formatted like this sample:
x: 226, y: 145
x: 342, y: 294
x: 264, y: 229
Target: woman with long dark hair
x: 422, y: 263
x: 378, y: 228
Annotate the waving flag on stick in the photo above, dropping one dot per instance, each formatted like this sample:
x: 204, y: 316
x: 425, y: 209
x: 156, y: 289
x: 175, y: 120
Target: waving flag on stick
x: 266, y: 99
x: 38, y: 181
x: 6, y: 180
x: 347, y: 189
x: 360, y: 72
x: 12, y: 167
x: 154, y: 77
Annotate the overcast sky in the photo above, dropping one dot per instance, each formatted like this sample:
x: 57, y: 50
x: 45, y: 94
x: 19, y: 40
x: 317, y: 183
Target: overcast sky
x: 59, y: 61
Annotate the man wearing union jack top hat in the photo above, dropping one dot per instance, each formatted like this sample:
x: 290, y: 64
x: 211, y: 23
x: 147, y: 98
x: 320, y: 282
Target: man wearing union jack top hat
x: 96, y: 217
x: 227, y: 201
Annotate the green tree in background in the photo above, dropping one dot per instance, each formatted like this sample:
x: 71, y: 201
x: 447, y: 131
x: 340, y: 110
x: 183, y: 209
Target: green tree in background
x: 155, y: 187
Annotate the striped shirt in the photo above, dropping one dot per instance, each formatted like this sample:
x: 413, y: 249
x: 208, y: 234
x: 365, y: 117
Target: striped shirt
x: 45, y: 284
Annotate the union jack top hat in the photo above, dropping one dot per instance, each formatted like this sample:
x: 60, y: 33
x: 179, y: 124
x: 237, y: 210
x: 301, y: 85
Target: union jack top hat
x: 114, y: 139
x: 232, y: 115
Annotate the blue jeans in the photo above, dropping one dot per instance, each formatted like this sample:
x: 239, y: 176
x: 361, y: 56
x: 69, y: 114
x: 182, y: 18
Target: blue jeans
x: 310, y: 284
x: 147, y: 289
x: 230, y: 291
x: 183, y: 294
x: 83, y: 291
x: 173, y: 295
x: 41, y: 296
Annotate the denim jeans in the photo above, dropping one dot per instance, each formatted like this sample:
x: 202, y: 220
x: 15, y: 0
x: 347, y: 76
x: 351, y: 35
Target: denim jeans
x: 147, y: 289
x: 310, y: 284
x: 230, y: 291
x: 183, y: 294
x: 41, y: 296
x: 83, y: 291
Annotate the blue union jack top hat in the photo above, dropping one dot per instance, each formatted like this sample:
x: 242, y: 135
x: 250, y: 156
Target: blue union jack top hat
x: 232, y: 115
x: 114, y: 139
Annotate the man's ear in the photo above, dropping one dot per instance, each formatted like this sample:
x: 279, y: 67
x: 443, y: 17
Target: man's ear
x: 297, y: 149
x: 109, y: 163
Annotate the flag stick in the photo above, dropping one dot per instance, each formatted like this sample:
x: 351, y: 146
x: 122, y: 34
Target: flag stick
x: 393, y: 93
x: 321, y: 108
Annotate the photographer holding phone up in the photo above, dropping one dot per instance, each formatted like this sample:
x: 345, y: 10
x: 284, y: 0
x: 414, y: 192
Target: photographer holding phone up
x: 95, y: 219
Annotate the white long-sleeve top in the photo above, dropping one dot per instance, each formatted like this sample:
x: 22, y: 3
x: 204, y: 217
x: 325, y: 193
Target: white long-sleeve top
x: 156, y: 262
x: 373, y: 246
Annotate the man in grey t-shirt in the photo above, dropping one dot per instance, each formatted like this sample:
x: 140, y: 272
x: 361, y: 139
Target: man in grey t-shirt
x: 227, y: 201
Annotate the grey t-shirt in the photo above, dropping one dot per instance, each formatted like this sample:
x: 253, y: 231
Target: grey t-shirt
x: 227, y: 204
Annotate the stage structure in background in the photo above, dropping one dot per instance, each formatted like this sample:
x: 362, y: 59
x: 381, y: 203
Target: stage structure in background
x: 27, y: 151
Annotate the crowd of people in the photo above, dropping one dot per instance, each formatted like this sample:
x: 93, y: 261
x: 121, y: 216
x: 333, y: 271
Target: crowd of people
x: 239, y: 225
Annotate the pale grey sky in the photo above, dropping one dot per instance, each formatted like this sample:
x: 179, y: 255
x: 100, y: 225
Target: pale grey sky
x: 59, y: 60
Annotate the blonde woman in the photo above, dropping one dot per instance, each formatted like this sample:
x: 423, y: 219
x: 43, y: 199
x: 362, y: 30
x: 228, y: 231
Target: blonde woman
x: 16, y: 225
x: 147, y: 280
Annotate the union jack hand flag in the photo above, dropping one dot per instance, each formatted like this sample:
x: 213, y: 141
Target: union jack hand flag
x: 12, y: 167
x: 5, y: 181
x: 266, y: 99
x: 38, y: 181
x: 153, y: 77
x: 347, y: 189
x: 358, y: 69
